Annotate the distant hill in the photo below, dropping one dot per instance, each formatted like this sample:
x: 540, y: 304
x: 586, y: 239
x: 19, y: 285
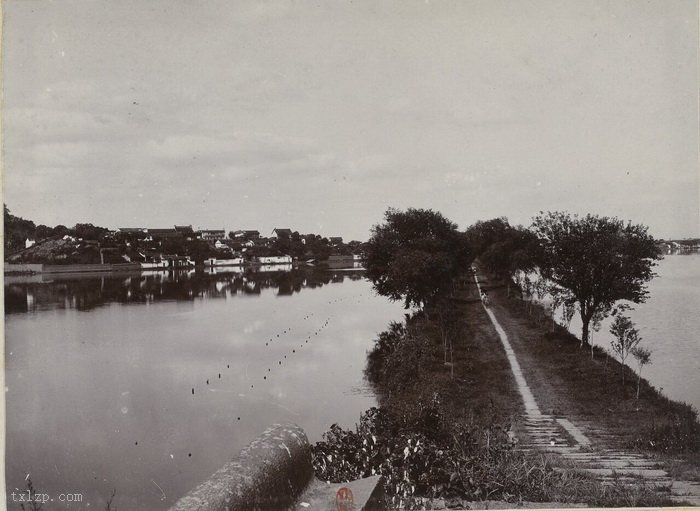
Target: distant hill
x: 58, y: 251
x: 18, y: 230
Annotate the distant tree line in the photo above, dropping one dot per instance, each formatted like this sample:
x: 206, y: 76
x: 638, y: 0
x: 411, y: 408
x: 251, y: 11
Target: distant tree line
x: 120, y: 246
x: 18, y: 230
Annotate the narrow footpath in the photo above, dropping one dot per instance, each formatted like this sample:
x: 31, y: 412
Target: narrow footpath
x: 582, y: 446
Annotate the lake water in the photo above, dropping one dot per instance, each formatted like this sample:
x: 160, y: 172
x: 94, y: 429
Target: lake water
x: 100, y: 372
x: 669, y: 323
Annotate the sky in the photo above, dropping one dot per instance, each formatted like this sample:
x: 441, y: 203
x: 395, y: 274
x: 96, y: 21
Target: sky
x: 318, y: 116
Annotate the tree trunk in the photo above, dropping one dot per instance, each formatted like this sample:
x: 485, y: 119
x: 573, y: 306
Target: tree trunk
x: 623, y: 373
x: 443, y: 333
x: 585, y: 335
x: 639, y: 380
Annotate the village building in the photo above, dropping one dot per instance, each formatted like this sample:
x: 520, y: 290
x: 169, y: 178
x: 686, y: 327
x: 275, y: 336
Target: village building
x: 164, y: 234
x: 177, y: 261
x: 211, y: 234
x: 282, y: 234
x: 246, y: 235
x: 285, y: 259
x: 214, y: 261
x: 185, y: 230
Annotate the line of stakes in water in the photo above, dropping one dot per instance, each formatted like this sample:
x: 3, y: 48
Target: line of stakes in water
x: 228, y: 366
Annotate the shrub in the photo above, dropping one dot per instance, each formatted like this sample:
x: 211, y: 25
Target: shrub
x: 384, y: 346
x: 421, y: 455
x: 680, y: 433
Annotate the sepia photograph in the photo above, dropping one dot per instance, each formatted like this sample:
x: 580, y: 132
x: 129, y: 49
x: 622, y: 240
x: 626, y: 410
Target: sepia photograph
x: 355, y: 255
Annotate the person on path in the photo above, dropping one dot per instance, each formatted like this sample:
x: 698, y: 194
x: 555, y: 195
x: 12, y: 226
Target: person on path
x: 484, y: 298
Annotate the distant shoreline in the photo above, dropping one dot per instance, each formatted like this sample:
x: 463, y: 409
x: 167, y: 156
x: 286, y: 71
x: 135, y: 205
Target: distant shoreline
x: 25, y: 270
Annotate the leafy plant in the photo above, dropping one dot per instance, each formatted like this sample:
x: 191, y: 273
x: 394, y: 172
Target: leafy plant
x: 643, y: 357
x: 626, y: 339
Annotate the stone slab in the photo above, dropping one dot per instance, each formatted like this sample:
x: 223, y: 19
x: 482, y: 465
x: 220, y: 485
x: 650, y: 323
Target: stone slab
x: 643, y: 472
x: 367, y: 495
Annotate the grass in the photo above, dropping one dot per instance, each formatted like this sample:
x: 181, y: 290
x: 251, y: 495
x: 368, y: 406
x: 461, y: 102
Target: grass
x: 568, y: 381
x: 687, y: 469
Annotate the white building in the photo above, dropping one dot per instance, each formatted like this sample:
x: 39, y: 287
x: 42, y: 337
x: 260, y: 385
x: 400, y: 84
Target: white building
x: 212, y: 262
x: 274, y: 259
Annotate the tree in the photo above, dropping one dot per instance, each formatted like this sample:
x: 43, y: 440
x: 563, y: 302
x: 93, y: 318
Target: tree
x: 503, y: 249
x: 89, y: 231
x: 643, y: 357
x: 594, y: 261
x: 483, y: 234
x: 626, y: 339
x: 17, y: 230
x: 415, y: 255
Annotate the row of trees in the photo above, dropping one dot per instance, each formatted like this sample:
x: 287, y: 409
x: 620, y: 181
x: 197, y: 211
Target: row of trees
x: 18, y: 230
x: 588, y: 263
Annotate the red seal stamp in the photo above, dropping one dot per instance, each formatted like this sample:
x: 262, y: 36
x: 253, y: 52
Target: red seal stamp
x: 343, y: 499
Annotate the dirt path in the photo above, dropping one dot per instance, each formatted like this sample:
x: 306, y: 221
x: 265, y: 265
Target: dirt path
x: 567, y: 429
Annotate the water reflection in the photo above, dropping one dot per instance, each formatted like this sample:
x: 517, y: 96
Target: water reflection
x: 47, y: 292
x: 164, y: 378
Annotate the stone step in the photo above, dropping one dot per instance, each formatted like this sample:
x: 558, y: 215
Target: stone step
x: 691, y: 500
x: 660, y: 483
x: 558, y: 449
x: 546, y: 442
x: 545, y: 439
x: 609, y: 466
x: 659, y: 486
x: 648, y: 473
x: 615, y: 465
x: 621, y: 454
x: 686, y: 487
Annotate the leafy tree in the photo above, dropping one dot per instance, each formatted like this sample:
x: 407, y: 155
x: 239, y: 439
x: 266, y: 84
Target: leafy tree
x: 89, y: 231
x: 594, y: 261
x: 60, y: 230
x: 414, y: 256
x: 17, y: 230
x: 483, y: 234
x: 43, y: 232
x: 503, y: 249
x: 643, y: 357
x: 626, y: 339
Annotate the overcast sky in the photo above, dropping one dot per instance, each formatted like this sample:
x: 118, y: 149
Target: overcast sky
x: 317, y: 116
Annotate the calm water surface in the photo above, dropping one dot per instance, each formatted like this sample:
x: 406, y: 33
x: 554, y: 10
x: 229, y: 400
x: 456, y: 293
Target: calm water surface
x: 100, y: 372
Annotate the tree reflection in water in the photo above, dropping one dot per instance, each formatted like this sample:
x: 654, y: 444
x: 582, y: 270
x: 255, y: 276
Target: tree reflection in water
x: 85, y: 292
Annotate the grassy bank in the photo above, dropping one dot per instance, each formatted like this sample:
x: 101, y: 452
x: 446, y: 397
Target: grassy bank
x: 573, y: 381
x: 442, y: 431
